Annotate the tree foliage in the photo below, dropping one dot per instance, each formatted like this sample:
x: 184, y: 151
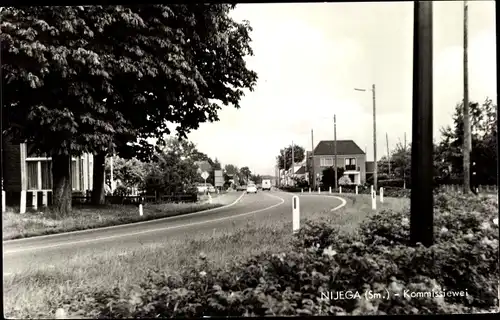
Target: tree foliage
x: 94, y: 78
x: 299, y: 155
x: 328, y: 177
x: 130, y: 173
x: 245, y: 174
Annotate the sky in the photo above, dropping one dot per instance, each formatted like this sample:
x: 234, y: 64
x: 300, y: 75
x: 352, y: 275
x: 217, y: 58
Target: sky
x: 309, y: 57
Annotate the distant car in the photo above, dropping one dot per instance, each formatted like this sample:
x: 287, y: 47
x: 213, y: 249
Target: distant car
x: 211, y: 189
x: 241, y: 188
x: 203, y: 188
x: 266, y: 185
x: 251, y: 188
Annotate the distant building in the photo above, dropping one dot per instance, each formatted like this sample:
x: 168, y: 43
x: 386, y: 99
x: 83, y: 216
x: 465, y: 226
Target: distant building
x: 349, y: 156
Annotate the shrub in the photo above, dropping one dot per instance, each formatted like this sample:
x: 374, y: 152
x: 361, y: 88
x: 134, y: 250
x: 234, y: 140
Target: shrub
x: 398, y: 183
x: 325, y: 260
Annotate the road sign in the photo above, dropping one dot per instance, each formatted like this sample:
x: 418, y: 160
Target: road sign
x: 204, y: 175
x: 218, y: 178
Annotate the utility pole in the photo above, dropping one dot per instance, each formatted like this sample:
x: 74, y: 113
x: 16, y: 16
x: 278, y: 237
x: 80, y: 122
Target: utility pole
x: 375, y: 169
x: 467, y: 130
x: 293, y: 166
x: 422, y: 214
x: 374, y: 135
x: 404, y: 164
x: 284, y: 168
x: 313, y: 176
x: 388, y: 154
x: 335, y: 149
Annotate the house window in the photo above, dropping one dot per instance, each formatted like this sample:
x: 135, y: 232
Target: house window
x: 350, y: 163
x: 326, y: 162
x: 46, y: 168
x: 75, y: 176
x: 32, y: 174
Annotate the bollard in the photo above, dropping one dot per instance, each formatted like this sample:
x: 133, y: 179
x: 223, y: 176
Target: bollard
x: 381, y: 195
x: 374, y: 200
x: 3, y: 201
x: 330, y: 189
x: 22, y: 208
x: 140, y: 209
x: 309, y: 190
x: 477, y: 190
x: 301, y: 190
x: 356, y: 189
x: 296, y: 213
x: 209, y: 198
x: 340, y: 189
x: 371, y: 189
x: 319, y: 190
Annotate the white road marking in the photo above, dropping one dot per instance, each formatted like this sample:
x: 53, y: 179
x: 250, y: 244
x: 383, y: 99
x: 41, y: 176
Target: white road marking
x: 344, y: 202
x: 146, y: 231
x: 123, y: 225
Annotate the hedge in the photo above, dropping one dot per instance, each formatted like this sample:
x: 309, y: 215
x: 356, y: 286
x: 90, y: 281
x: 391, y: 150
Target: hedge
x: 378, y: 258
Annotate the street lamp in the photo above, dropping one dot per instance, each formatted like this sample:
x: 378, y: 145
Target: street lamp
x: 374, y: 134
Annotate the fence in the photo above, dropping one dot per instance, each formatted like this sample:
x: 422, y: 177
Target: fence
x: 140, y: 199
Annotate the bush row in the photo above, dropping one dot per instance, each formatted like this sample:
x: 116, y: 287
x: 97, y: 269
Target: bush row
x: 325, y: 260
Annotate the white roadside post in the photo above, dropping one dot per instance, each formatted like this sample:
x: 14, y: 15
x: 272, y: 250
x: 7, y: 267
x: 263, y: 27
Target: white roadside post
x: 140, y: 207
x: 296, y: 214
x: 356, y: 189
x: 309, y: 190
x: 371, y: 189
x: 301, y: 190
x: 209, y: 198
x: 319, y: 190
x: 374, y: 200
x: 381, y: 195
x: 330, y: 189
x: 340, y: 189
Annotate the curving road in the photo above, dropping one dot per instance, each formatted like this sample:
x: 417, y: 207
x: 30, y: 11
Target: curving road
x: 40, y: 252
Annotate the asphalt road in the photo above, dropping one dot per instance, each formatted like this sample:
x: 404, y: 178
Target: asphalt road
x: 42, y: 252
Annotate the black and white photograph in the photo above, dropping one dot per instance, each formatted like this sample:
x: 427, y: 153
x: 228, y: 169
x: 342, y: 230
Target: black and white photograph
x: 249, y: 159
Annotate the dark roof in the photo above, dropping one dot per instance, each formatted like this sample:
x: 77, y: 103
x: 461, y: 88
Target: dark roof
x: 369, y: 166
x: 302, y: 170
x: 344, y: 147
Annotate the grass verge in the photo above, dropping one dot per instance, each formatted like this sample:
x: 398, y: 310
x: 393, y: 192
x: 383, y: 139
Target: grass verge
x: 37, y: 293
x: 31, y: 224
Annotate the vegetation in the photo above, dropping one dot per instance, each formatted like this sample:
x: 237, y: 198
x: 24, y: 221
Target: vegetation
x: 299, y: 154
x: 88, y: 78
x: 50, y: 221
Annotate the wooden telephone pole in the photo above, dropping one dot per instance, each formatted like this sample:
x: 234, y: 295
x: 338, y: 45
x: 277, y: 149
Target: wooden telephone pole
x: 292, y: 173
x: 388, y: 154
x: 335, y: 150
x: 313, y: 175
x: 467, y: 129
x: 422, y: 213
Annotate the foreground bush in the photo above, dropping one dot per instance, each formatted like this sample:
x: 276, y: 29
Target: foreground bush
x: 378, y: 258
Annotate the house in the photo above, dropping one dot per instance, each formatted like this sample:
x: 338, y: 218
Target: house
x: 349, y: 156
x: 28, y: 177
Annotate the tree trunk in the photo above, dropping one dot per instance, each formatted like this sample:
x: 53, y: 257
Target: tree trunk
x: 61, y: 188
x: 98, y: 191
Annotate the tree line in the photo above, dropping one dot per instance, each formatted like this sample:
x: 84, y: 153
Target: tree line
x: 105, y: 79
x: 395, y: 170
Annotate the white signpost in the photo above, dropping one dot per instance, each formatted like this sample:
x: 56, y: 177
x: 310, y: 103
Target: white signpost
x: 296, y: 213
x: 356, y: 189
x: 381, y: 194
x: 340, y: 189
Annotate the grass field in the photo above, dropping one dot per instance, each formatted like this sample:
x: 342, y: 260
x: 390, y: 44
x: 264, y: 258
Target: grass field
x: 36, y: 294
x: 33, y: 224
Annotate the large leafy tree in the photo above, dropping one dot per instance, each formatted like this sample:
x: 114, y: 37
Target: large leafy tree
x: 245, y: 173
x: 101, y: 78
x: 484, y: 143
x: 298, y: 154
